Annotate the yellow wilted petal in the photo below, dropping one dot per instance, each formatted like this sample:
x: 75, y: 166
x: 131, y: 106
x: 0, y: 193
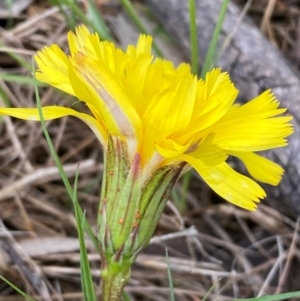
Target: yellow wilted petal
x: 54, y: 112
x: 260, y: 168
x: 229, y: 184
x: 108, y: 95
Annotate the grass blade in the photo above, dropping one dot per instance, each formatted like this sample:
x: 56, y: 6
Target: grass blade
x: 273, y: 297
x: 172, y: 295
x: 4, y: 99
x: 17, y: 289
x: 17, y: 58
x: 59, y: 165
x: 86, y: 277
x: 209, y: 291
x: 97, y: 21
x: 209, y: 59
x: 193, y: 33
x: 10, y: 20
x: 136, y: 20
x: 126, y: 297
x: 70, y: 19
x: 20, y: 79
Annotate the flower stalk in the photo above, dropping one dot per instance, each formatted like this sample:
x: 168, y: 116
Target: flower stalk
x: 114, y: 277
x: 128, y: 213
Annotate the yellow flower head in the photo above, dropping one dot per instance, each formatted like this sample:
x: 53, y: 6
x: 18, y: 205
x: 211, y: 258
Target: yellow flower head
x: 165, y: 114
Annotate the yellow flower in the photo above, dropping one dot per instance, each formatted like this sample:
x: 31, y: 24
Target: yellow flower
x: 165, y: 114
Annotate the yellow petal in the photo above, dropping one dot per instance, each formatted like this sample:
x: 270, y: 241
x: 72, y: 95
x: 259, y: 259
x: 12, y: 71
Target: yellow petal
x: 184, y: 68
x: 170, y: 110
x: 215, y: 96
x: 253, y: 135
x: 208, y: 152
x: 253, y: 126
x: 170, y: 149
x: 263, y: 106
x: 54, y: 112
x: 107, y: 94
x: 79, y: 41
x: 260, y: 168
x: 229, y: 184
x: 136, y: 69
x: 143, y: 46
x: 89, y: 44
x: 159, y: 78
x: 53, y: 68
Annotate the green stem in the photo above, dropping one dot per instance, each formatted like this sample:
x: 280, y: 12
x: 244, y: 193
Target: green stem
x: 113, y: 284
x: 209, y: 59
x: 135, y: 18
x: 193, y: 33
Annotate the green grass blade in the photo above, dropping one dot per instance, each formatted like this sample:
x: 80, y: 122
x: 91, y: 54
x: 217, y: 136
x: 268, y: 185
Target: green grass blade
x: 209, y: 291
x: 209, y: 59
x: 273, y: 297
x: 5, y: 99
x: 176, y: 198
x: 136, y: 20
x: 20, y: 79
x: 69, y: 19
x: 17, y: 58
x: 92, y: 19
x: 88, y: 287
x: 186, y: 180
x: 17, y: 289
x: 126, y: 297
x: 193, y: 33
x: 10, y: 21
x: 133, y: 15
x: 97, y: 21
x: 172, y: 295
x: 86, y: 277
x: 229, y: 37
x: 194, y: 64
x: 60, y: 167
x: 77, y: 12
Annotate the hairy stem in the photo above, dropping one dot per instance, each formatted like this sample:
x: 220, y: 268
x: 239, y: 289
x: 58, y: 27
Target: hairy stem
x: 113, y: 284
